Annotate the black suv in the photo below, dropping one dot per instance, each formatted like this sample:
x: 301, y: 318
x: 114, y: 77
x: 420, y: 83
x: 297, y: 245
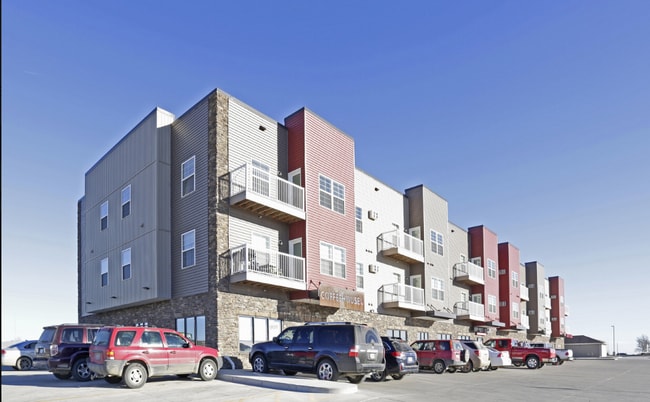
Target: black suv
x: 328, y: 349
x: 401, y: 359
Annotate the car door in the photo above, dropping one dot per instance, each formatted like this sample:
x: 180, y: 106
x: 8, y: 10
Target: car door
x: 152, y: 347
x: 301, y: 350
x: 278, y: 353
x: 182, y: 356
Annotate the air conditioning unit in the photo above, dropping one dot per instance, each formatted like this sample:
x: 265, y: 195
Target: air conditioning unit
x: 373, y: 268
x: 373, y: 215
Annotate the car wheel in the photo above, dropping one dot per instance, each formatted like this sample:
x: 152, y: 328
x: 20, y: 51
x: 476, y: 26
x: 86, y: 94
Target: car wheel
x: 62, y: 376
x: 259, y: 364
x: 397, y: 376
x: 24, y: 363
x: 439, y: 367
x: 561, y: 362
x: 80, y: 370
x: 355, y: 379
x: 378, y: 376
x: 327, y: 370
x: 135, y: 375
x: 467, y: 367
x: 208, y: 370
x: 289, y: 372
x: 532, y: 362
x: 452, y: 369
x: 518, y: 364
x: 113, y: 380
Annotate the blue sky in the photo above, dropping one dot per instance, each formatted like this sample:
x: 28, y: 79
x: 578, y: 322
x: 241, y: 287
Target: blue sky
x: 543, y: 108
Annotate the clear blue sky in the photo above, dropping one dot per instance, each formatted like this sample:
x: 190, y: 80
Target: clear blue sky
x: 543, y: 108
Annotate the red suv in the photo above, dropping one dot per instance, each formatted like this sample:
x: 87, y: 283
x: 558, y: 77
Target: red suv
x: 440, y: 355
x: 133, y: 354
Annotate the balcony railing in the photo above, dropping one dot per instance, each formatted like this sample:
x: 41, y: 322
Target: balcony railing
x: 469, y: 272
x: 266, y: 194
x: 470, y: 311
x: 525, y: 321
x: 401, y: 246
x: 399, y: 295
x: 523, y: 292
x: 566, y: 310
x: 267, y: 267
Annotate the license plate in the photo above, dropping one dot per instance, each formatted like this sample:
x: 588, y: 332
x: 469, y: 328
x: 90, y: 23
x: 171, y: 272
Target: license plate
x: 372, y: 355
x: 409, y: 359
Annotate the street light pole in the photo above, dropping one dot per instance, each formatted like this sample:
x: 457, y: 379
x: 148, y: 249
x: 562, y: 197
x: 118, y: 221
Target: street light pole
x: 614, y: 339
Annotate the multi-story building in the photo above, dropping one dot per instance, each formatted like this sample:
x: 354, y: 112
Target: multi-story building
x: 559, y: 310
x: 510, y: 288
x: 228, y: 226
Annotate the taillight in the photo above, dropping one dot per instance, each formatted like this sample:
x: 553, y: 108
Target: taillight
x: 476, y: 352
x: 110, y: 354
x: 499, y: 354
x: 395, y: 353
x: 3, y: 351
x: 54, y: 350
x: 354, y: 351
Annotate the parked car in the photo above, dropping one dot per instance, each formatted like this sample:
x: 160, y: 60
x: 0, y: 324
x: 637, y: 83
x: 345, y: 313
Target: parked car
x: 64, y: 349
x: 400, y: 359
x: 328, y: 349
x: 19, y: 355
x: 479, y: 356
x: 440, y: 355
x: 134, y: 354
x: 499, y: 358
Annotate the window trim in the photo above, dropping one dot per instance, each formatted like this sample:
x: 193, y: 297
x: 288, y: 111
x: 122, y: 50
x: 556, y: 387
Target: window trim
x: 127, y: 202
x: 193, y: 249
x: 438, y: 240
x: 332, y: 248
x: 124, y: 252
x: 437, y: 290
x: 103, y: 216
x: 192, y: 176
x: 103, y: 272
x: 330, y: 193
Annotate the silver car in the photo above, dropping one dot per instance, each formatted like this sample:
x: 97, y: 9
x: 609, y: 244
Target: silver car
x: 479, y: 356
x: 20, y: 356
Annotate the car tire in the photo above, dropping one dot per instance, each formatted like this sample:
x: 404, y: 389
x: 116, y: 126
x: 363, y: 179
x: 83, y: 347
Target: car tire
x: 378, y: 376
x: 518, y: 364
x: 63, y: 376
x: 24, y: 363
x: 439, y: 366
x: 113, y: 379
x: 327, y: 371
x: 80, y: 370
x: 259, y: 364
x: 561, y: 362
x: 452, y: 369
x: 397, y: 376
x: 355, y: 379
x: 532, y: 362
x: 468, y: 367
x: 135, y: 375
x: 208, y: 370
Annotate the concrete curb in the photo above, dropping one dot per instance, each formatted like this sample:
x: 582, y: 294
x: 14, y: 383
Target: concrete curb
x: 286, y: 383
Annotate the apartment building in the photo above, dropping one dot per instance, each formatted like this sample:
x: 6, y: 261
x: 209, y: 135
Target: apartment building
x: 229, y: 226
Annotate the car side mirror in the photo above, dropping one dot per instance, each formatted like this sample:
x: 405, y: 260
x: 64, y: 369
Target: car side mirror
x: 186, y: 345
x: 276, y: 340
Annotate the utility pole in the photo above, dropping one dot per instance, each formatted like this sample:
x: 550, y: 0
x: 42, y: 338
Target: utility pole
x: 614, y: 340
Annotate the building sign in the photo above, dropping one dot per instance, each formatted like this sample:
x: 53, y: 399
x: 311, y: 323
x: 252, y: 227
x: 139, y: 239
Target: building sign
x: 340, y: 298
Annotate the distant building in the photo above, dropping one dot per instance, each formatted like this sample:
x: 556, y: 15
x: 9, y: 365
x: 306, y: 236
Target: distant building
x: 584, y: 346
x: 229, y: 226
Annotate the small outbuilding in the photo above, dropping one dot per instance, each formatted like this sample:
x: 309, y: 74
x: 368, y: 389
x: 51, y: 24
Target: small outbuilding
x: 584, y: 346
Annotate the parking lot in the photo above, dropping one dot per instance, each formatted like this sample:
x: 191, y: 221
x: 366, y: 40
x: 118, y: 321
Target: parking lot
x: 624, y: 379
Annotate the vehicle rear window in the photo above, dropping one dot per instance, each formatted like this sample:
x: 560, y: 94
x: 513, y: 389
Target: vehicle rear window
x: 124, y: 338
x: 102, y: 337
x: 401, y: 346
x: 47, y: 335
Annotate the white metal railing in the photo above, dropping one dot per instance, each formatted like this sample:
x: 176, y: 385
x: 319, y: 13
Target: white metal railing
x: 397, y: 238
x: 274, y: 263
x: 261, y: 182
x: 525, y: 321
x: 399, y: 292
x: 470, y: 308
x: 566, y: 310
x: 523, y: 292
x: 468, y: 268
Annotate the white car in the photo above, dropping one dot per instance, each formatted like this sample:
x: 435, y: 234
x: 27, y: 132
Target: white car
x: 19, y: 355
x: 499, y: 358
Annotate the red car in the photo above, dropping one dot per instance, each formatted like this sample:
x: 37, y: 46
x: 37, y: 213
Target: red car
x: 133, y: 354
x: 441, y: 355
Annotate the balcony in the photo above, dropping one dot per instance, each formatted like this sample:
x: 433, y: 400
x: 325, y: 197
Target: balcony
x: 547, y: 302
x: 525, y: 321
x: 267, y: 267
x: 470, y: 311
x: 566, y: 310
x: 469, y: 273
x: 401, y: 246
x: 523, y: 293
x: 399, y: 295
x: 263, y: 194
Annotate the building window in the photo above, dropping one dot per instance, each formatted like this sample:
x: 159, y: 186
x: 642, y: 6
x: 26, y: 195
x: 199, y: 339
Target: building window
x: 437, y: 289
x: 464, y: 337
x: 444, y: 336
x: 126, y: 201
x: 332, y: 195
x: 492, y: 268
x: 359, y: 216
x: 187, y: 176
x: 255, y: 329
x: 515, y: 279
x: 397, y: 333
x: 104, y: 272
x: 126, y: 264
x: 188, y: 249
x: 359, y: 275
x: 515, y: 310
x: 437, y: 242
x: 332, y: 260
x: 423, y: 336
x: 492, y: 304
x: 193, y: 328
x: 103, y: 219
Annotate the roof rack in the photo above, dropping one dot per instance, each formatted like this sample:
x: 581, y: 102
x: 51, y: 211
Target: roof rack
x: 332, y: 323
